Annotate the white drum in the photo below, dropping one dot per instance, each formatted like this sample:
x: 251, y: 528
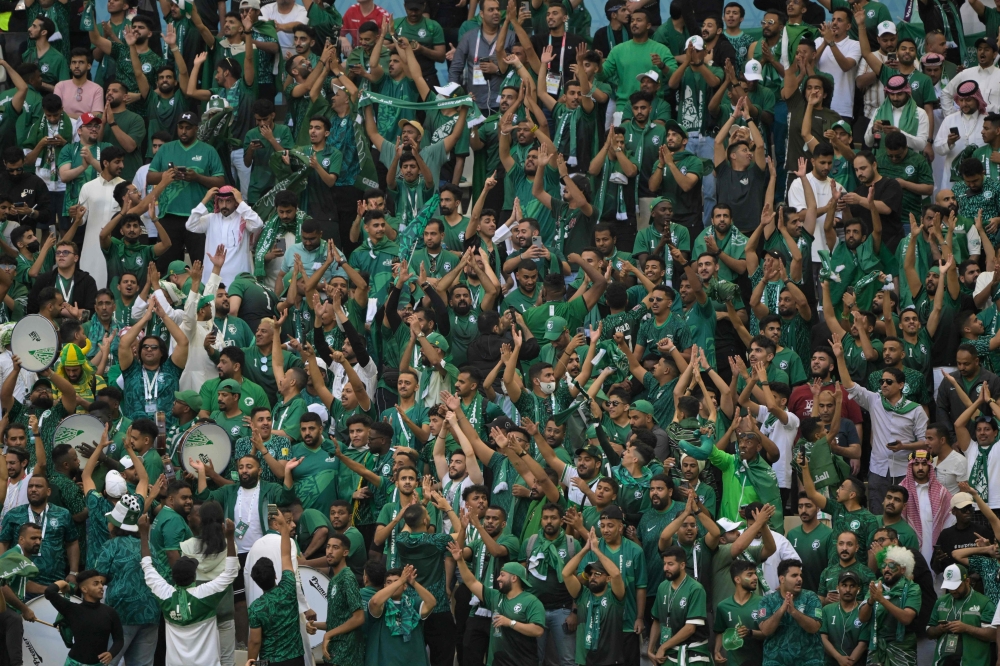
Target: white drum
x: 42, y: 645
x: 78, y: 429
x: 35, y: 342
x: 208, y: 442
x: 314, y: 585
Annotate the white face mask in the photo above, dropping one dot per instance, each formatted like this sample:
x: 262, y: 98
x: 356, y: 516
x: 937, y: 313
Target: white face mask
x: 548, y: 388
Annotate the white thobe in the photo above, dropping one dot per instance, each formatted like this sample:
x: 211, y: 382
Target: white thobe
x: 970, y: 133
x: 988, y: 79
x: 233, y: 232
x: 916, y: 141
x: 98, y: 197
x: 199, y: 368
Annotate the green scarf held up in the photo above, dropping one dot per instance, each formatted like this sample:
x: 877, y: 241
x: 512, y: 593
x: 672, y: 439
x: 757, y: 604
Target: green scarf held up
x: 216, y: 130
x: 405, y: 617
x: 591, y: 639
x: 979, y: 476
x: 765, y: 484
x: 272, y: 229
x: 611, y: 174
x: 827, y: 469
x: 544, y: 559
x: 473, y: 118
x: 569, y: 121
x: 367, y: 174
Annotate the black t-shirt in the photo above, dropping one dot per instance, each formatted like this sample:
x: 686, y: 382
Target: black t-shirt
x: 723, y: 51
x: 561, y: 62
x: 952, y: 539
x: 889, y: 192
x: 744, y: 191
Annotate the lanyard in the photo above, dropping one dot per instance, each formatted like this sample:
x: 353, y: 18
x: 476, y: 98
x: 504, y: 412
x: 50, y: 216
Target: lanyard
x: 562, y: 53
x: 66, y: 293
x: 44, y: 523
x: 611, y: 37
x: 284, y: 413
x: 152, y: 388
x: 479, y: 39
x: 403, y: 428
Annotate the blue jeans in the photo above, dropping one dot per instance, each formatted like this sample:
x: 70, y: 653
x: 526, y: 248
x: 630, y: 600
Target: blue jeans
x: 704, y: 147
x: 140, y: 645
x: 563, y: 643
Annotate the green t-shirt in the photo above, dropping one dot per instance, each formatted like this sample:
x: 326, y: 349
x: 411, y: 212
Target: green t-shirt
x: 693, y: 97
x: 162, y: 113
x: 875, y: 13
x: 261, y: 176
x: 426, y: 552
x: 525, y: 608
x: 58, y: 531
x: 181, y: 197
x: 829, y: 579
x: 52, y: 65
x: 975, y: 610
x: 132, y: 124
x: 907, y: 536
x: 127, y: 591
x: 168, y: 531
x: 730, y: 614
x: 844, y: 630
x: 860, y: 521
x: 814, y: 552
x: 914, y: 168
x: 631, y: 561
x: 315, y: 478
x: 125, y: 257
x: 252, y: 394
x: 676, y: 607
x: 343, y: 600
x: 276, y: 614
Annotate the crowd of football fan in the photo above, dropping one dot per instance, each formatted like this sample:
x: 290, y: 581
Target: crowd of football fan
x: 528, y: 339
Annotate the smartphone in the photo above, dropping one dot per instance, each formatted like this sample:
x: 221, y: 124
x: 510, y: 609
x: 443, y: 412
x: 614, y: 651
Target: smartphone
x: 537, y: 241
x: 586, y: 334
x: 257, y: 143
x: 525, y: 6
x: 513, y: 313
x: 280, y: 244
x: 215, y: 330
x: 170, y: 165
x: 182, y: 169
x: 272, y: 510
x: 84, y: 315
x: 580, y: 331
x: 953, y: 130
x: 891, y: 58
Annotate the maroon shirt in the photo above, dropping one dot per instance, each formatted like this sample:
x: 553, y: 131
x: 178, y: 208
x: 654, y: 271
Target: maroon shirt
x: 801, y: 403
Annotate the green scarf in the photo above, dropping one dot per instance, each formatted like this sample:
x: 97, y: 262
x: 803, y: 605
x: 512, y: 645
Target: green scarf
x: 48, y: 156
x: 544, y: 558
x: 591, y: 638
x: 474, y: 117
x: 367, y: 174
x: 569, y: 121
x: 626, y: 480
x: 765, y: 484
x: 908, y: 122
x: 904, y: 406
x: 611, y: 168
x: 272, y: 229
x: 402, y: 619
x: 979, y: 477
x: 888, y: 652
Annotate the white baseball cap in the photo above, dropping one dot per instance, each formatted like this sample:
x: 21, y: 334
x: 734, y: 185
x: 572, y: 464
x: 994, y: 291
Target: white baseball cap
x: 728, y: 525
x: 696, y: 41
x: 114, y: 484
x: 751, y: 71
x: 886, y: 28
x: 953, y: 577
x: 652, y: 74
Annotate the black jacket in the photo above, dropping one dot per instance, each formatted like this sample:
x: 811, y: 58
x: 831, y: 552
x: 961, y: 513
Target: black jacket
x: 29, y: 190
x: 484, y: 352
x: 84, y: 289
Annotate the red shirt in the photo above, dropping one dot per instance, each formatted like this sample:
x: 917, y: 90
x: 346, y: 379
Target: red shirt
x: 801, y: 403
x: 353, y: 18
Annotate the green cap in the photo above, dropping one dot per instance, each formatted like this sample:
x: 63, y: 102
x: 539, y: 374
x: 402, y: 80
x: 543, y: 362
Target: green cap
x: 657, y: 201
x: 439, y: 341
x: 554, y: 327
x: 642, y: 406
x: 207, y: 299
x: 190, y: 398
x: 516, y: 569
x: 842, y: 125
x: 177, y: 267
x: 229, y: 386
x: 591, y: 450
x: 675, y: 126
x: 935, y: 269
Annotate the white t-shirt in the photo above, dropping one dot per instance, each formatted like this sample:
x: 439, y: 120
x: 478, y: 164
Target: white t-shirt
x: 453, y: 490
x: 574, y: 494
x: 368, y: 375
x: 875, y: 93
x: 822, y: 191
x: 298, y: 14
x: 951, y: 470
x: 247, y: 511
x: 783, y: 436
x: 843, y: 82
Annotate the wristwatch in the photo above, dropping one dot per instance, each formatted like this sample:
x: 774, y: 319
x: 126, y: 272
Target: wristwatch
x: 513, y: 623
x: 112, y: 124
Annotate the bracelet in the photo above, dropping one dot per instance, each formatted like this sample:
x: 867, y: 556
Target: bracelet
x: 112, y: 124
x: 765, y: 383
x: 72, y: 573
x: 534, y: 128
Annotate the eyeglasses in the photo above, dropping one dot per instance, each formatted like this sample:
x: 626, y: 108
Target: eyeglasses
x: 886, y: 382
x: 891, y: 566
x: 79, y: 94
x: 880, y: 540
x: 151, y: 347
x: 965, y: 509
x: 768, y: 22
x: 656, y: 300
x: 63, y: 253
x: 614, y: 403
